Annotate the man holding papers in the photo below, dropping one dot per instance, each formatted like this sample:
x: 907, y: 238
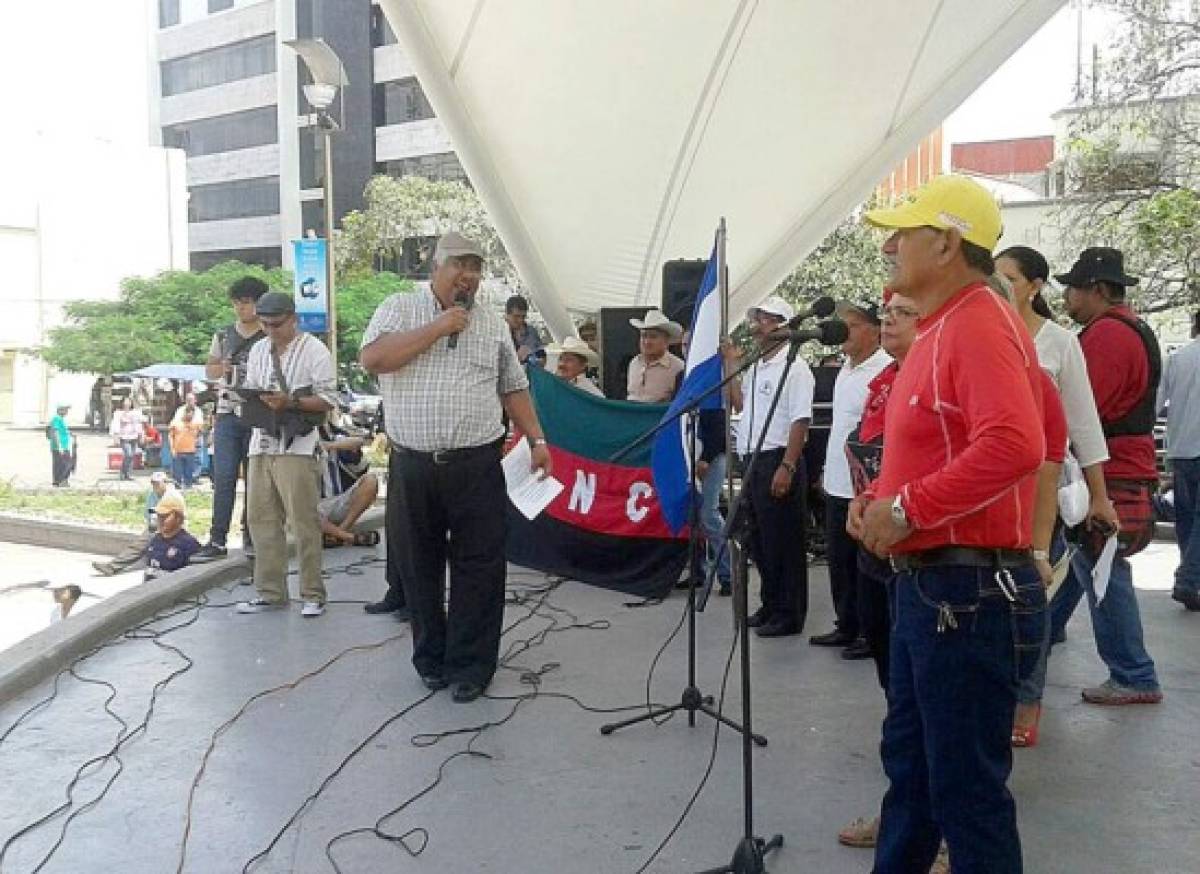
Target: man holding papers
x: 447, y: 370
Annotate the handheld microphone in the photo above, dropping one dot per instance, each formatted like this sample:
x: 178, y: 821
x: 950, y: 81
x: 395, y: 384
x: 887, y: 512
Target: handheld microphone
x: 466, y: 301
x: 831, y: 333
x: 822, y: 307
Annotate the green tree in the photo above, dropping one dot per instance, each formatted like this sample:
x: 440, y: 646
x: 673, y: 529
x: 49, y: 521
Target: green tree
x: 846, y: 265
x: 358, y: 297
x: 415, y: 207
x: 169, y: 317
x: 1132, y: 160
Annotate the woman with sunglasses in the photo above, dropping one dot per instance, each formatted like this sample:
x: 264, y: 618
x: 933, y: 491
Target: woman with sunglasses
x: 1062, y: 358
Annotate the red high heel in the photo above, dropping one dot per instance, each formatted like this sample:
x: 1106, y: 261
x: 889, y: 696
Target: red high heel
x: 1027, y: 735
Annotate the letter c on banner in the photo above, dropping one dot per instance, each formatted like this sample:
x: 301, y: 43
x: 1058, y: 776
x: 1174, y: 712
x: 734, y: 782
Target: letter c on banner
x: 632, y: 510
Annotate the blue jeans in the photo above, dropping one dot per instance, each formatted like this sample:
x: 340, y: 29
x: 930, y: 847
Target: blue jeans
x: 185, y: 468
x: 231, y: 445
x: 1031, y: 689
x: 712, y: 521
x: 1187, y: 495
x: 128, y: 448
x: 959, y: 648
x: 1116, y: 622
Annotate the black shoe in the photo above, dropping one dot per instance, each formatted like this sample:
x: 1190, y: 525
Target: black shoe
x: 725, y: 590
x: 402, y: 614
x: 833, y: 638
x: 384, y: 606
x: 434, y: 682
x: 777, y: 628
x: 761, y: 616
x: 209, y: 552
x: 466, y: 691
x: 1186, y: 597
x: 860, y: 649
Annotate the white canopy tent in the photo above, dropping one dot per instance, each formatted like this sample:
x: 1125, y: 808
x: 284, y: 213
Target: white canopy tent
x: 608, y: 136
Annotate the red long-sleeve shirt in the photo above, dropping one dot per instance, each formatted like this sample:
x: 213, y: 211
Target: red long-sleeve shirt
x: 965, y: 429
x: 1119, y: 373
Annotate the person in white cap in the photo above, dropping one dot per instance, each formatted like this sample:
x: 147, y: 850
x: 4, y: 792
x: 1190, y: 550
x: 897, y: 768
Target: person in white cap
x: 447, y: 370
x: 775, y: 489
x: 134, y: 554
x: 654, y: 371
x: 574, y: 358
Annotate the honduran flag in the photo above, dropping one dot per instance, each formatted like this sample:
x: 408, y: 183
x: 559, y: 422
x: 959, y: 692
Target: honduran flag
x: 606, y: 527
x: 671, y: 456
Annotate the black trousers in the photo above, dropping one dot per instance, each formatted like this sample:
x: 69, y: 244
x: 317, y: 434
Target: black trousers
x: 396, y: 537
x: 841, y: 552
x: 778, y: 534
x: 452, y: 512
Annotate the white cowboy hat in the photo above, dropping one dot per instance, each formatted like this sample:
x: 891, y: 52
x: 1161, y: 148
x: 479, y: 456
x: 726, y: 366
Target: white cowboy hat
x: 575, y: 346
x: 655, y: 320
x: 774, y: 305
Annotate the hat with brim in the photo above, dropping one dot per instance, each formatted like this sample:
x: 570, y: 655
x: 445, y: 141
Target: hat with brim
x: 575, y: 346
x: 656, y: 321
x: 948, y: 202
x: 170, y: 502
x: 775, y: 306
x: 455, y: 245
x: 1098, y: 264
x: 275, y: 303
x: 868, y: 311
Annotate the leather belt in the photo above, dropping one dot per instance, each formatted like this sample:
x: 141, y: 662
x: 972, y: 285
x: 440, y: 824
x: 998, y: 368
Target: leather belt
x: 448, y: 456
x: 961, y: 556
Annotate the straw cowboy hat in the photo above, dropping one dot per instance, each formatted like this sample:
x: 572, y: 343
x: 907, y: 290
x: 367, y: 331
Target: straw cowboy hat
x: 656, y: 321
x: 575, y: 346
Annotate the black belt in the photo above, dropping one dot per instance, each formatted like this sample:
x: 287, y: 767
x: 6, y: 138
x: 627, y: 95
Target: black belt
x: 449, y: 456
x: 962, y: 556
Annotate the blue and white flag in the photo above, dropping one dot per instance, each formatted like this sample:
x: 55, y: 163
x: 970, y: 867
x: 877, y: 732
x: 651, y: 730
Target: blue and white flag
x: 670, y: 455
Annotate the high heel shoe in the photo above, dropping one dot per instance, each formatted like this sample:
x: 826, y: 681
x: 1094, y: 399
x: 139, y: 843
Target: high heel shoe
x: 1027, y: 735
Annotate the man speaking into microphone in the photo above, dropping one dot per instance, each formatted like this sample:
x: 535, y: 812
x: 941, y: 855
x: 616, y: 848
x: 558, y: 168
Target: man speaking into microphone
x: 447, y: 369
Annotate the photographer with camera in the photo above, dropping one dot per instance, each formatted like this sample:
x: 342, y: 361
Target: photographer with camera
x: 231, y: 438
x: 290, y: 387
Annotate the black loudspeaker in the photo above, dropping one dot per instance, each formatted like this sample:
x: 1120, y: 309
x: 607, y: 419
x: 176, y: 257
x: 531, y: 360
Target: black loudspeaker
x: 618, y: 346
x: 681, y: 283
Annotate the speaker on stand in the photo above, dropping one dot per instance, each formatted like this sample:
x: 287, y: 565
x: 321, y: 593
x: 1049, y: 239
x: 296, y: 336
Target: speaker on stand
x: 681, y: 280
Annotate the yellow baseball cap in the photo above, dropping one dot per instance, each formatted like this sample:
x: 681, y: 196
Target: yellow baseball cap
x: 170, y: 502
x: 947, y: 202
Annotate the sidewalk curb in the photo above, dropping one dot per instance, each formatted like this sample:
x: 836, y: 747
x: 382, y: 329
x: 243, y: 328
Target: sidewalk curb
x: 57, y: 534
x: 46, y: 652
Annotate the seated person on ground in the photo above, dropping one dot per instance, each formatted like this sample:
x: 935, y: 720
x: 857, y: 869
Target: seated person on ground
x: 348, y: 488
x: 134, y: 555
x: 172, y: 546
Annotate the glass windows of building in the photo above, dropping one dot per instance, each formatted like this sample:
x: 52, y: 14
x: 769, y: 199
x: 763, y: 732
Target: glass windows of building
x: 244, y: 198
x: 381, y: 31
x: 400, y: 102
x: 265, y: 257
x: 219, y: 5
x: 168, y: 13
x: 252, y: 57
x: 442, y: 167
x: 225, y: 133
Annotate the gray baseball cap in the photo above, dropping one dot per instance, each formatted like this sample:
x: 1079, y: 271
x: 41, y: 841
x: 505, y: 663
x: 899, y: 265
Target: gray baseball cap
x: 454, y: 245
x: 275, y: 303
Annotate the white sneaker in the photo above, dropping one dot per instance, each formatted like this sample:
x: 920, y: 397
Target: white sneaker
x: 312, y: 608
x: 259, y: 605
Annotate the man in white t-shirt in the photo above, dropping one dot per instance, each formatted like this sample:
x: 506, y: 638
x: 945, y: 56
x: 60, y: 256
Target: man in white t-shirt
x: 864, y: 360
x: 297, y: 371
x: 775, y: 487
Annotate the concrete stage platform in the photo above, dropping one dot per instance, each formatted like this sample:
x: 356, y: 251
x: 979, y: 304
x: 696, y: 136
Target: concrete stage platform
x: 1108, y: 790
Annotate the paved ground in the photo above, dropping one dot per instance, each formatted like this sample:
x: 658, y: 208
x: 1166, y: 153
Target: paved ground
x: 25, y: 460
x: 1106, y: 791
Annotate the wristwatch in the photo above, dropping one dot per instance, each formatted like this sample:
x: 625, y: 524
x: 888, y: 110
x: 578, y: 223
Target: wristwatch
x: 536, y: 441
x: 898, y: 514
x: 1041, y: 554
x: 788, y: 466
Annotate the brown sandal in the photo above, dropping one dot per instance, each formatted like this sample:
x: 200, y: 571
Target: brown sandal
x: 366, y: 538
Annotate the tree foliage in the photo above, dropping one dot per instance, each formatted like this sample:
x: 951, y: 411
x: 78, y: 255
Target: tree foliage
x: 847, y: 265
x: 1133, y: 153
x: 412, y: 206
x: 172, y: 316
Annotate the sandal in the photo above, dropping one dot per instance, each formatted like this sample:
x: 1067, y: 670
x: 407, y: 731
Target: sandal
x: 330, y: 542
x: 861, y: 834
x: 366, y: 538
x: 1024, y: 736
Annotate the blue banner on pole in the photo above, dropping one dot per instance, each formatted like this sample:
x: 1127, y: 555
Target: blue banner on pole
x: 311, y: 290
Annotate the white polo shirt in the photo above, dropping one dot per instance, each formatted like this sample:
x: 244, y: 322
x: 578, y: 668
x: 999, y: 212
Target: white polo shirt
x: 758, y: 390
x: 849, y: 398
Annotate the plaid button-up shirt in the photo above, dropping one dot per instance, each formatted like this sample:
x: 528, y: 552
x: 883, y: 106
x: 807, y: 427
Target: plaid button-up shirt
x: 446, y: 398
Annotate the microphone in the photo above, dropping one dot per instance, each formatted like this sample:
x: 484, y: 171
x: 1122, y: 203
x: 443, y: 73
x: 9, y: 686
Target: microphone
x: 831, y: 333
x: 822, y: 307
x: 466, y: 301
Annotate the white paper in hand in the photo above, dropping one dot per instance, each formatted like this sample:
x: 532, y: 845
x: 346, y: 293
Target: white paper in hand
x: 527, y: 490
x: 1103, y: 568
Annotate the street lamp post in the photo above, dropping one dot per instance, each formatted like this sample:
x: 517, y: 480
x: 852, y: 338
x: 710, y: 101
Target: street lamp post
x: 328, y: 78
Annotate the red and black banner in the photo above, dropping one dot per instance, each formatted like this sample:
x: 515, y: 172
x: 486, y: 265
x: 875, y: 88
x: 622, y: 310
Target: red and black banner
x: 606, y: 527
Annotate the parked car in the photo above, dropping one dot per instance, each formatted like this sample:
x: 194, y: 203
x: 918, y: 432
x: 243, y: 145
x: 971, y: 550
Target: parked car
x: 362, y: 408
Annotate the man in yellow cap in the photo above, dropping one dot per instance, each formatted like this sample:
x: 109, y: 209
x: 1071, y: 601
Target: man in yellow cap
x: 952, y: 508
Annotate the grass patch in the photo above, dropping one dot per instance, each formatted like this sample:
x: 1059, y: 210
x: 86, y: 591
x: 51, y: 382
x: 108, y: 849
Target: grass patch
x: 117, y: 509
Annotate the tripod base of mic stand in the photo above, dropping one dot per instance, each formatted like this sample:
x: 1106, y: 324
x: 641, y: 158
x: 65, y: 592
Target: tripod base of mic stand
x: 750, y: 857
x: 692, y: 702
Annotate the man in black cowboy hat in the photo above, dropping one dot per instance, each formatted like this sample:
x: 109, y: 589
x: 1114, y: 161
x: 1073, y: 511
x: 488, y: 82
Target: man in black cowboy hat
x: 1124, y: 366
